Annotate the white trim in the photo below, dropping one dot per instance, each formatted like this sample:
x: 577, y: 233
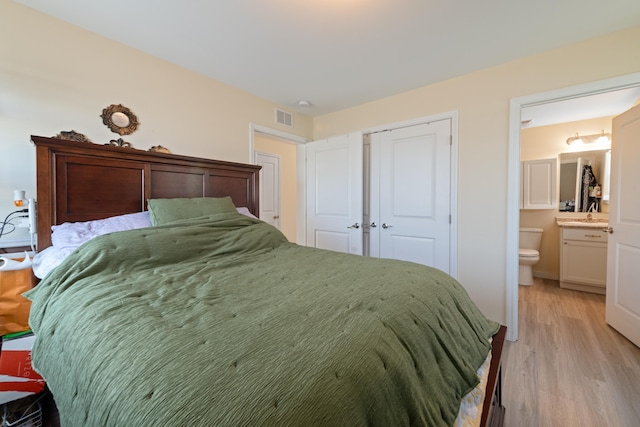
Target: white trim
x: 300, y: 170
x: 453, y: 115
x: 513, y: 175
x: 453, y: 248
x: 253, y: 128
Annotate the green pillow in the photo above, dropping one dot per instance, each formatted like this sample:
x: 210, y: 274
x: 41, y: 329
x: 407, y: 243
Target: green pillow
x: 162, y: 211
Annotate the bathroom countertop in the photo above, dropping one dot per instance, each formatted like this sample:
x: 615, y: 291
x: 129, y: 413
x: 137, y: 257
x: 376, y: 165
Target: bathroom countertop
x: 583, y: 222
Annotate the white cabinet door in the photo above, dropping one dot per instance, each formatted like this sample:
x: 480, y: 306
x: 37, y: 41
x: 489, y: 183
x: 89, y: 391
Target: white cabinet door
x: 584, y: 262
x: 623, y: 268
x: 539, y: 184
x: 334, y: 193
x: 410, y: 194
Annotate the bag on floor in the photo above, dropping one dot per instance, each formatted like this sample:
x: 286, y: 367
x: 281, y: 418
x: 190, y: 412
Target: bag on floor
x: 14, y: 308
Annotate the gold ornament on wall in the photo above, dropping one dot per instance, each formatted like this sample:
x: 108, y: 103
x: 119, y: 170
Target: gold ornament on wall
x: 119, y: 119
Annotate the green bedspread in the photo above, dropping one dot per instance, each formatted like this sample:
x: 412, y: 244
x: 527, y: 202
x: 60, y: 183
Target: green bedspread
x: 220, y: 321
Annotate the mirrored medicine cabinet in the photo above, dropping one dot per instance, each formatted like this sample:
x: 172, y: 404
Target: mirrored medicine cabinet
x: 584, y: 181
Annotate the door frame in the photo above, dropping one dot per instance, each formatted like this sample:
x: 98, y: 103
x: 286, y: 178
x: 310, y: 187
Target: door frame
x: 513, y: 175
x: 300, y: 171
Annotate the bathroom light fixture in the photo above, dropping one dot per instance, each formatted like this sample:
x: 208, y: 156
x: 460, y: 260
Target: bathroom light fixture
x: 589, y: 139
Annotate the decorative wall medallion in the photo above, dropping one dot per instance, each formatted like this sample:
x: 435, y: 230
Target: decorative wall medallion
x: 119, y: 119
x: 72, y: 135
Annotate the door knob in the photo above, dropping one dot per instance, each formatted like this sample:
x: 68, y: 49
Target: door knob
x: 276, y: 216
x: 385, y: 225
x: 356, y: 225
x: 608, y: 230
x: 373, y: 225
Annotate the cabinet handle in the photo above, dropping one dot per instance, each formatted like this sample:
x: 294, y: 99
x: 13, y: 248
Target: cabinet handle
x: 597, y: 236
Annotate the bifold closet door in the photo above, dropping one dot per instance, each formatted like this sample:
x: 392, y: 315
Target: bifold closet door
x: 410, y: 194
x: 334, y: 193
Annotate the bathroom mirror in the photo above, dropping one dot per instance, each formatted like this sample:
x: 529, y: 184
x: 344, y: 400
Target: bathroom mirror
x: 584, y: 180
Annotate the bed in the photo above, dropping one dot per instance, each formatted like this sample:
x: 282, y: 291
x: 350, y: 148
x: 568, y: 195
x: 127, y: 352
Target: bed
x: 210, y: 317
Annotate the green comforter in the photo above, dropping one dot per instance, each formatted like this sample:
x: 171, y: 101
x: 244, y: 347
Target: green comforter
x: 220, y: 321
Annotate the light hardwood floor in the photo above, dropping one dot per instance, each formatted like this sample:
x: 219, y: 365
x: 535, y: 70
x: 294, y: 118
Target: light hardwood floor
x: 569, y: 368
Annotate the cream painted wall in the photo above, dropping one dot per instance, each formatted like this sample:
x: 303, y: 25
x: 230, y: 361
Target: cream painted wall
x: 55, y: 76
x: 482, y: 100
x: 546, y: 142
x: 288, y: 180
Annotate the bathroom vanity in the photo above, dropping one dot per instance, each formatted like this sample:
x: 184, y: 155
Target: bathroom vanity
x: 583, y: 254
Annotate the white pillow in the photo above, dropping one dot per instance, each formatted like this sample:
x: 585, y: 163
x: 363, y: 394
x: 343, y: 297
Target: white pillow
x: 69, y: 236
x: 246, y: 212
x: 45, y: 261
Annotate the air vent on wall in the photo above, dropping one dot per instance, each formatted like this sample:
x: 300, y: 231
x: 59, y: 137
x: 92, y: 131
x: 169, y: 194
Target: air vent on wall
x: 284, y: 118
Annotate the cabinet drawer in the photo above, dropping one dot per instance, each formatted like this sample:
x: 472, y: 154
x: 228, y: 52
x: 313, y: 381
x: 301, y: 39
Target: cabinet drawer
x: 585, y: 234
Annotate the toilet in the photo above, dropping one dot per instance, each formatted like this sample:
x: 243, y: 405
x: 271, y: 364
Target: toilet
x: 528, y: 254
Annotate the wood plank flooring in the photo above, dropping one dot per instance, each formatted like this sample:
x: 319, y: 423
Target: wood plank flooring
x: 569, y: 368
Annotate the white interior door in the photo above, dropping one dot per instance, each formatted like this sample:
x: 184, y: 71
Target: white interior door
x: 269, y: 188
x: 410, y: 187
x: 623, y: 259
x: 334, y: 193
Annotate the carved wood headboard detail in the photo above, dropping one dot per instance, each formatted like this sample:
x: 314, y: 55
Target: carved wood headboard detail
x: 79, y: 181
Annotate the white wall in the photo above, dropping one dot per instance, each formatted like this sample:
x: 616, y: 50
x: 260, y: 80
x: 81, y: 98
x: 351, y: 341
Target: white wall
x: 482, y: 100
x: 55, y: 76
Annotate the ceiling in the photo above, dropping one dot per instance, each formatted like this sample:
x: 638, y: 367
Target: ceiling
x: 337, y: 54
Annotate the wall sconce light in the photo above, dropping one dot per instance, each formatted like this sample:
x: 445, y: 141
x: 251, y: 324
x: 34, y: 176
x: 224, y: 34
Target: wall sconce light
x: 604, y: 138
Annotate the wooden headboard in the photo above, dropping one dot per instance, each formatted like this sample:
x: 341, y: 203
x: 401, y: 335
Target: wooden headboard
x: 80, y: 181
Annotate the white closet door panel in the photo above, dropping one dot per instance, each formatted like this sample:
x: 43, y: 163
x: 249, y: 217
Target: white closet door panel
x: 413, y: 164
x: 414, y: 203
x: 339, y: 242
x: 414, y: 249
x: 334, y: 193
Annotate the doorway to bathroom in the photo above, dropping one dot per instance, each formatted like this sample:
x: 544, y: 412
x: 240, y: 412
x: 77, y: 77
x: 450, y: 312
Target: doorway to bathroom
x: 519, y: 106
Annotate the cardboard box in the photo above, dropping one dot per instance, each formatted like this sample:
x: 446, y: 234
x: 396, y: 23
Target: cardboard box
x: 17, y: 377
